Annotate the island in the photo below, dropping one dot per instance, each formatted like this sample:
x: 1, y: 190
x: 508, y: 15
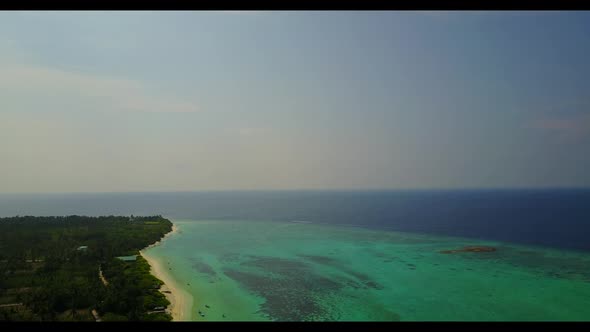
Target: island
x: 80, y: 268
x: 469, y: 249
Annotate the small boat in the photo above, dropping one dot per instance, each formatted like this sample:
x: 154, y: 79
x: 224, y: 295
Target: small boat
x: 206, y: 306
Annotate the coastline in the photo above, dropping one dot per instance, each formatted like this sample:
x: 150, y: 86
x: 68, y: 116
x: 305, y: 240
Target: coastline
x: 180, y: 301
x: 174, y: 230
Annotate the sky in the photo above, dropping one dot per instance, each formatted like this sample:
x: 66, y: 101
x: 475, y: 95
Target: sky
x: 261, y: 100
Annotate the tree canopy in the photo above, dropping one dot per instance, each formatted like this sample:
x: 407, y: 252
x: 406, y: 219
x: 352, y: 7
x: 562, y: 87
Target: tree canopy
x: 49, y: 268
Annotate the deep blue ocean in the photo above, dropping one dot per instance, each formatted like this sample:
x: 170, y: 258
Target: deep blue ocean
x: 554, y: 218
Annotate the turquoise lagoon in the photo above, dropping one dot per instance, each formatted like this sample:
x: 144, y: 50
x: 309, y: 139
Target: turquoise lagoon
x: 293, y: 271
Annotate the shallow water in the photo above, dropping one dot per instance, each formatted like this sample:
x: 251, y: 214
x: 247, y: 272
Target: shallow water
x: 250, y: 270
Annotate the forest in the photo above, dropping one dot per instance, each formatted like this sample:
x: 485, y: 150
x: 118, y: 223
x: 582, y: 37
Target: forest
x: 66, y: 269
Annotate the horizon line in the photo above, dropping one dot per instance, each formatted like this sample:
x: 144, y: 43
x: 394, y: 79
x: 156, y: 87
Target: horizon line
x: 306, y: 190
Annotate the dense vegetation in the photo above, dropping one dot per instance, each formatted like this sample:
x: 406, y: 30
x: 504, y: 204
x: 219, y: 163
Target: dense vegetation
x: 49, y: 268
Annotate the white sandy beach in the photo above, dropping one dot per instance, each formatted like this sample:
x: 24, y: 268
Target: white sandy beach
x: 181, y: 301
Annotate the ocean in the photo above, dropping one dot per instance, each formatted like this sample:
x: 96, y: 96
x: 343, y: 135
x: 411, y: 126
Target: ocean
x: 363, y: 255
x: 554, y: 218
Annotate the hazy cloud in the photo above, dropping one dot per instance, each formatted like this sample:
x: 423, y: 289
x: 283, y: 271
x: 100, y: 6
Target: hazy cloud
x: 567, y: 126
x: 52, y: 85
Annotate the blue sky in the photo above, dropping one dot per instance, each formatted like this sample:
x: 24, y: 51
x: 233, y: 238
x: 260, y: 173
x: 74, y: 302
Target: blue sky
x: 148, y: 101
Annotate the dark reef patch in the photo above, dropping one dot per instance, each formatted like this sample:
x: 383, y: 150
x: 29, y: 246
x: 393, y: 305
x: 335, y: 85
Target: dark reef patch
x: 373, y: 284
x: 469, y: 249
x: 281, y: 266
x: 204, y: 268
x: 231, y: 257
x: 320, y: 259
x: 338, y: 265
x: 290, y: 288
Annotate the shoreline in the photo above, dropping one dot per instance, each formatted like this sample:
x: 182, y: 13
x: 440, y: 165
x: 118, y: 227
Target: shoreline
x: 181, y: 302
x: 174, y: 230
